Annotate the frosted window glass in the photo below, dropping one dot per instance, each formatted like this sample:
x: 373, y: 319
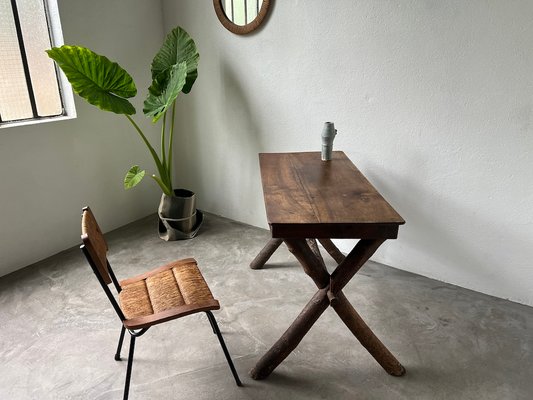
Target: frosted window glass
x: 239, y: 12
x: 14, y: 98
x: 252, y: 8
x: 36, y: 39
x: 228, y: 8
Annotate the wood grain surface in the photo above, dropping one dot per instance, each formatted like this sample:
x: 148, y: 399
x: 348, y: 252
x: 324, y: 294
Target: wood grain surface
x: 308, y: 197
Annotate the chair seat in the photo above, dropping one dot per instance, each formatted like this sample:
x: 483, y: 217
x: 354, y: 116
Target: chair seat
x: 171, y: 291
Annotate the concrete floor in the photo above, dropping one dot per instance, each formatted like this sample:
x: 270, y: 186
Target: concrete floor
x: 59, y: 331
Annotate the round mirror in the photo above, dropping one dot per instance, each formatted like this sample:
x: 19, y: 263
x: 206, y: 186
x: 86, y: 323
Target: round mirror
x: 241, y: 16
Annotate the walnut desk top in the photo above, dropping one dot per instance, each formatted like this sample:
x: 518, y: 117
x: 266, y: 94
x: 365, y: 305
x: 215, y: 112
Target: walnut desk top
x: 310, y: 198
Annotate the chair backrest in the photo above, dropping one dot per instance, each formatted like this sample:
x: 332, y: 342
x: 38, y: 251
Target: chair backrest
x: 94, y: 241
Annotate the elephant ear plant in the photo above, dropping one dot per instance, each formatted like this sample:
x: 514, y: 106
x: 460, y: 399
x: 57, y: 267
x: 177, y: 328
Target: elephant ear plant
x: 106, y: 85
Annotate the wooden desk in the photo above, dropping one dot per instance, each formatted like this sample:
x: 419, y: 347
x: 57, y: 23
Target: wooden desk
x: 309, y: 198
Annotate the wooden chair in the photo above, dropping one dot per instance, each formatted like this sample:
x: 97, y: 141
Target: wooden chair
x: 163, y: 294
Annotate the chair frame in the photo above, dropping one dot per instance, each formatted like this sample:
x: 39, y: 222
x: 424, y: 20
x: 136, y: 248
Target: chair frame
x: 135, y: 333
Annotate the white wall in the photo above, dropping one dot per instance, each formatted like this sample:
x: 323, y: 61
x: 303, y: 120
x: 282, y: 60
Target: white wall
x: 49, y: 171
x: 433, y: 101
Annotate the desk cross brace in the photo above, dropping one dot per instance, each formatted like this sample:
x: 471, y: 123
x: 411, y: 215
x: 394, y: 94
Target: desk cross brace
x: 329, y: 293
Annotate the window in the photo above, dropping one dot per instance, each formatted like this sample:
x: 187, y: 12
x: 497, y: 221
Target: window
x: 241, y: 12
x: 31, y: 89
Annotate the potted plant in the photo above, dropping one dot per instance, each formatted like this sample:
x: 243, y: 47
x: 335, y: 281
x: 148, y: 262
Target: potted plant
x: 106, y: 85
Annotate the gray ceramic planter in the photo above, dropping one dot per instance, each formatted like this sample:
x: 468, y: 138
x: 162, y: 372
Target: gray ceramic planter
x: 178, y: 216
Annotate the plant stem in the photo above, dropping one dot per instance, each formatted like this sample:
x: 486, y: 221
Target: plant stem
x: 164, y: 185
x: 170, y: 141
x: 163, y: 129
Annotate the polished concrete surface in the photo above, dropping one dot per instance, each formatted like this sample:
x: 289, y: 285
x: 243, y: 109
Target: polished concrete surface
x: 59, y: 332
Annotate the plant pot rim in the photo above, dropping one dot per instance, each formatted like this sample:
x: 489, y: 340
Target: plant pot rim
x: 185, y: 193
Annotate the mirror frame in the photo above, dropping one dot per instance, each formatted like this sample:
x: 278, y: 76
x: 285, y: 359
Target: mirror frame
x: 240, y: 29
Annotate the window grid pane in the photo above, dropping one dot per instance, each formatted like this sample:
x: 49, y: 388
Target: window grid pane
x: 14, y: 98
x: 239, y: 12
x: 36, y: 37
x: 252, y: 8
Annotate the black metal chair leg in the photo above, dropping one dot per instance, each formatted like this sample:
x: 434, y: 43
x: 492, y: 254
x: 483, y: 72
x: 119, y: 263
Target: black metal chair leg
x: 211, y: 322
x: 130, y: 364
x: 120, y: 341
x: 214, y: 325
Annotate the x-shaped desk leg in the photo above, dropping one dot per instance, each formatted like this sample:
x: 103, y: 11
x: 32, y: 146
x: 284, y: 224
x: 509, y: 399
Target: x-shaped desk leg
x: 330, y: 292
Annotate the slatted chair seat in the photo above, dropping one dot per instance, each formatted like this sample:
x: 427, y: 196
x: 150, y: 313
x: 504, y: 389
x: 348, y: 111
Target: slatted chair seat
x: 165, y: 293
x: 172, y: 291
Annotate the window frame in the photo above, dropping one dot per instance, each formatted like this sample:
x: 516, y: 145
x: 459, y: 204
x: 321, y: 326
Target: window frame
x: 65, y: 90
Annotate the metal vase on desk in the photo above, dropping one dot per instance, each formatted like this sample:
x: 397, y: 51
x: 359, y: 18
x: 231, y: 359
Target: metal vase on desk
x: 328, y: 134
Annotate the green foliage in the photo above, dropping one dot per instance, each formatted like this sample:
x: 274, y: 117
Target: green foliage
x: 156, y: 106
x: 177, y: 48
x: 101, y: 82
x: 133, y: 177
x: 106, y: 85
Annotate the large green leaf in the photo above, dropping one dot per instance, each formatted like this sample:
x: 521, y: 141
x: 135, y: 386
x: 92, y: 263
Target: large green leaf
x: 177, y: 48
x: 133, y: 177
x: 156, y: 105
x: 101, y: 82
